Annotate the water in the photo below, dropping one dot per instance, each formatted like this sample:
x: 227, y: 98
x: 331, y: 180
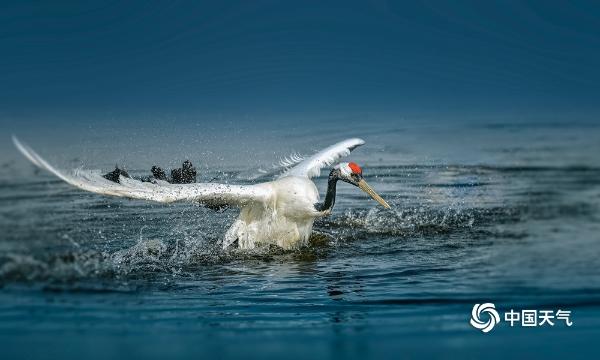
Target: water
x: 509, y: 216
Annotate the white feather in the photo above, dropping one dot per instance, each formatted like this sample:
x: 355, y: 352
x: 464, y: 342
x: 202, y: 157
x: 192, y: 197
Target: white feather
x: 312, y: 166
x: 159, y: 191
x: 289, y: 161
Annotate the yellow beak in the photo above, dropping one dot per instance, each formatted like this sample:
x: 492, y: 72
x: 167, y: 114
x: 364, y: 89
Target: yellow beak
x: 362, y: 184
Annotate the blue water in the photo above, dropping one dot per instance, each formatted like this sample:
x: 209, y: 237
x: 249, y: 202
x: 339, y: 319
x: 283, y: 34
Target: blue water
x: 501, y: 213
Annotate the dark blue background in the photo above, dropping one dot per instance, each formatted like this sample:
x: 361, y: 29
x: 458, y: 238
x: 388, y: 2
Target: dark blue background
x: 89, y: 61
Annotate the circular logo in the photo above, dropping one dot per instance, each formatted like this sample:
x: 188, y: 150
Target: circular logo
x: 493, y: 317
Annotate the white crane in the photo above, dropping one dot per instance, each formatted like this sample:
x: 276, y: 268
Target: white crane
x: 279, y: 212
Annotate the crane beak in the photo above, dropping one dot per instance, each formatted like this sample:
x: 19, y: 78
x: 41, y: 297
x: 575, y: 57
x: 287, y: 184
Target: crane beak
x: 362, y: 184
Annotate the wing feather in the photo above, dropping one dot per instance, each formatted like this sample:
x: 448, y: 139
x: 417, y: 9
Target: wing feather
x: 159, y: 191
x: 311, y: 167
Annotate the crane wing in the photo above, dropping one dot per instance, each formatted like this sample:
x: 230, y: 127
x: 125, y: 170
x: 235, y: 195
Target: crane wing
x: 311, y: 167
x: 209, y: 194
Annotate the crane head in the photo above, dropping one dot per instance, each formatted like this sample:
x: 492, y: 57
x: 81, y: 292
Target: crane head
x: 352, y: 174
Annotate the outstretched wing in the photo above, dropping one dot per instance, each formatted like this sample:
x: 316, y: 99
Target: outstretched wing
x: 311, y: 167
x: 160, y: 191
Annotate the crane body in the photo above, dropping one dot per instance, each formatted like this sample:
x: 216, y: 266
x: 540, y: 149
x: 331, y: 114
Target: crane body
x: 279, y: 212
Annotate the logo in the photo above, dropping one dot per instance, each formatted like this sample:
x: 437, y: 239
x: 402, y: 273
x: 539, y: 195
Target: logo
x: 492, y: 314
x: 524, y: 318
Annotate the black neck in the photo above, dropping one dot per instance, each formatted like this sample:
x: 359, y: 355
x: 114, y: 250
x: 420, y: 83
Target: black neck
x: 330, y: 196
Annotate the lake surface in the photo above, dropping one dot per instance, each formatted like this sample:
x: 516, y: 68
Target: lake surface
x: 502, y: 213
